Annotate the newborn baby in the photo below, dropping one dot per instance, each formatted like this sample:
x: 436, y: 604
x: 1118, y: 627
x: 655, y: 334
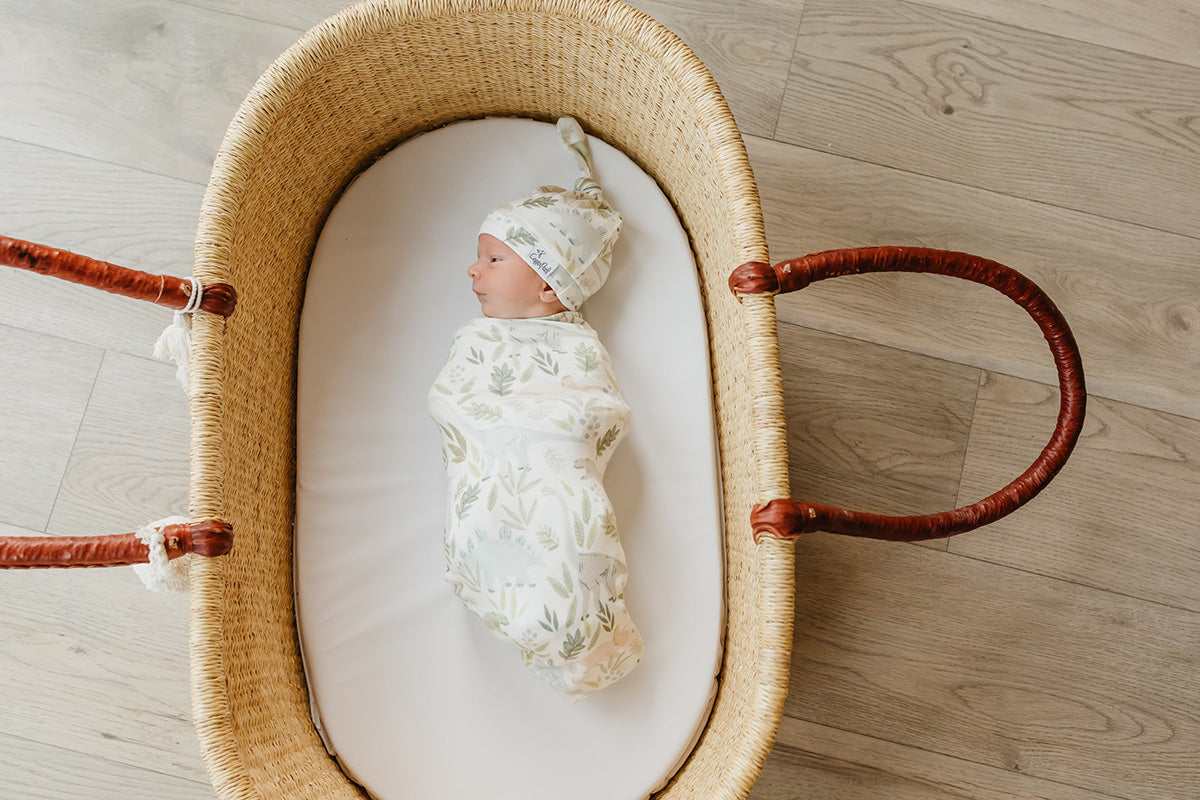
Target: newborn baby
x: 530, y: 415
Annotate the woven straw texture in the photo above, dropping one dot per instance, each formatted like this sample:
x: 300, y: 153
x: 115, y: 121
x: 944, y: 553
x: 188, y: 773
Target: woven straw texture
x: 351, y: 89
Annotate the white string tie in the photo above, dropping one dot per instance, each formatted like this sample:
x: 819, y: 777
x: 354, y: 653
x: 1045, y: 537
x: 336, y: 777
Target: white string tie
x: 175, y: 342
x: 162, y: 574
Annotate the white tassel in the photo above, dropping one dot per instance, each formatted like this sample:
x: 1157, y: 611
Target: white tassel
x: 162, y: 574
x: 175, y: 342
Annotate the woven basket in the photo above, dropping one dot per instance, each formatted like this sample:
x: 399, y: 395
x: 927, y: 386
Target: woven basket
x: 351, y: 89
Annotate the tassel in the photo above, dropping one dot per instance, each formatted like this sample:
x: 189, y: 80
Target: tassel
x: 162, y: 574
x: 175, y: 342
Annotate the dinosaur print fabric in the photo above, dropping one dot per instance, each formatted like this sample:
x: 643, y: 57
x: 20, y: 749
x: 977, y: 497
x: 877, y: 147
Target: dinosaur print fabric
x: 530, y: 414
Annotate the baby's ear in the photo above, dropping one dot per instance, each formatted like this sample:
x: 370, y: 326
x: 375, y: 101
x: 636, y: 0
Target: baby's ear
x: 547, y: 294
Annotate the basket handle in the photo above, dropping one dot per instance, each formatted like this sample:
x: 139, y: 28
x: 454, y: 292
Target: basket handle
x: 787, y: 518
x: 214, y: 538
x: 163, y: 290
x: 211, y: 538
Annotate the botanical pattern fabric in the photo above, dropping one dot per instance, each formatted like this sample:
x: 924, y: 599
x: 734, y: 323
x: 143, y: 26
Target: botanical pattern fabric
x: 530, y: 414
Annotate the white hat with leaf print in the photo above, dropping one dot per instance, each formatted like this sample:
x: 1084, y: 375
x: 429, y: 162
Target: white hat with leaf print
x: 566, y: 236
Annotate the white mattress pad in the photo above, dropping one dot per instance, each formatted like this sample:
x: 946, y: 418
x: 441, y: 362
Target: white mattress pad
x: 410, y: 691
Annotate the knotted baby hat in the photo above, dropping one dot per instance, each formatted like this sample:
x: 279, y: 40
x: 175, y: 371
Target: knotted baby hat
x: 567, y: 237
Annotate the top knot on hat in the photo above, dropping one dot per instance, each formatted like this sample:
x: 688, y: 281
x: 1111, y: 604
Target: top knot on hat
x: 565, y: 236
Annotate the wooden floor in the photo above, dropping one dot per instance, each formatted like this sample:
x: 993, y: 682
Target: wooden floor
x: 1054, y: 655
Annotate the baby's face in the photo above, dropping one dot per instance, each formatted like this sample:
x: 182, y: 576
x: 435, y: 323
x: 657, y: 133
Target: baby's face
x: 506, y: 286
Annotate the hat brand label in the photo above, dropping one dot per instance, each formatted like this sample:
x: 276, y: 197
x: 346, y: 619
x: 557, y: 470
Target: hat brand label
x: 538, y: 259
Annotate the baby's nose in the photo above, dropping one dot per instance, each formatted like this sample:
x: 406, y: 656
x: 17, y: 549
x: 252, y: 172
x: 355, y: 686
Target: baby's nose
x: 472, y: 269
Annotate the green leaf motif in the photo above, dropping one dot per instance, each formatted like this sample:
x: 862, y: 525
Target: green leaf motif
x: 586, y: 358
x: 465, y: 499
x: 482, y: 411
x: 550, y: 623
x: 520, y: 236
x: 442, y: 389
x: 572, y: 645
x: 587, y: 507
x: 502, y: 380
x: 475, y: 356
x: 540, y: 201
x: 605, y: 441
x: 546, y: 538
x: 545, y: 362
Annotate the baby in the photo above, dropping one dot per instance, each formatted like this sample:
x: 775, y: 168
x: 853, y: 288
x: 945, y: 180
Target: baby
x: 530, y: 415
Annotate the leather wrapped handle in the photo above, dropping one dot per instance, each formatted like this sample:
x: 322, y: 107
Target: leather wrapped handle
x: 787, y: 518
x: 163, y: 290
x: 213, y: 538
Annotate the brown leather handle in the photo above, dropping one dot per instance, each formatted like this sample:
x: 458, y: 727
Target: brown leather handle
x: 163, y: 290
x: 788, y: 518
x: 213, y: 538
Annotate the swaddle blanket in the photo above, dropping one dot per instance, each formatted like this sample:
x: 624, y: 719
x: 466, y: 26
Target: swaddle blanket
x: 530, y: 415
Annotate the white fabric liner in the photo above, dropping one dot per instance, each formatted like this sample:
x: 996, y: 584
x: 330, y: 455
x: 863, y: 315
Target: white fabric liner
x: 415, y: 697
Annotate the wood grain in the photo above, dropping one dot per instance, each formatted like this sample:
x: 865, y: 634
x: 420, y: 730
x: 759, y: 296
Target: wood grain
x: 151, y: 85
x: 1163, y: 29
x: 1131, y: 294
x: 999, y: 107
x: 31, y: 769
x: 996, y: 666
x: 814, y: 761
x: 96, y: 664
x: 1122, y: 516
x: 871, y: 428
x: 45, y: 390
x: 746, y: 45
x: 129, y: 465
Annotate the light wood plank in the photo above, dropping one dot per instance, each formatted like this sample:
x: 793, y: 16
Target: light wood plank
x: 746, y: 45
x: 129, y: 465
x: 1131, y: 295
x: 96, y: 664
x: 1121, y: 516
x: 17, y: 530
x: 112, y: 213
x: 47, y: 382
x: 990, y: 105
x: 871, y: 428
x: 814, y: 761
x: 1165, y: 29
x: 144, y: 83
x: 995, y: 666
x: 34, y: 770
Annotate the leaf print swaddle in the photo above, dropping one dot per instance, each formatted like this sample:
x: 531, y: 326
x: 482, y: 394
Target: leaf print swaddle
x: 530, y: 414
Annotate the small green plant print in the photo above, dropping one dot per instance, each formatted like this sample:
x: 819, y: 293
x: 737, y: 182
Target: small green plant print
x: 572, y: 645
x: 606, y: 440
x: 550, y: 621
x: 546, y: 538
x: 483, y: 412
x: 545, y: 362
x: 540, y: 201
x: 502, y: 380
x: 567, y: 587
x: 586, y: 358
x: 520, y: 236
x: 475, y: 356
x: 466, y: 498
